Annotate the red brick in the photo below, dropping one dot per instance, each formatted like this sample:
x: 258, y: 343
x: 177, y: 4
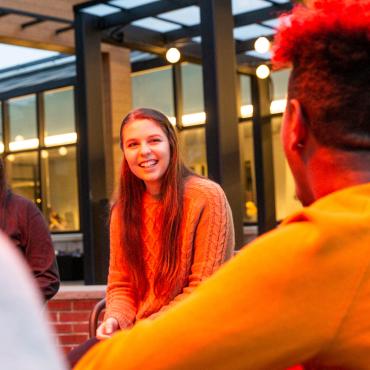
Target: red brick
x: 72, y: 339
x: 67, y: 349
x: 74, y: 316
x: 80, y: 328
x: 53, y: 316
x: 62, y: 305
x: 63, y: 328
x: 85, y: 305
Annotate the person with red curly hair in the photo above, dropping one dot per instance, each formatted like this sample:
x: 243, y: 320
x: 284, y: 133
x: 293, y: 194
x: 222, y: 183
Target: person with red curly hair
x: 298, y: 295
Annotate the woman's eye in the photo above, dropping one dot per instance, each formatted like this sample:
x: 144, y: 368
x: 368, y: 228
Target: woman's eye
x: 156, y: 140
x: 132, y: 145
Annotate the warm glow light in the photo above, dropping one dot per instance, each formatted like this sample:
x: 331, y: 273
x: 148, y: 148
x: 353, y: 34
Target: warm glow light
x: 173, y: 55
x: 262, y: 45
x: 193, y: 119
x: 262, y: 71
x: 69, y: 138
x: 246, y: 111
x: 1, y: 147
x: 63, y: 151
x: 278, y: 106
x: 10, y: 158
x: 19, y: 138
x: 44, y: 154
x: 23, y: 144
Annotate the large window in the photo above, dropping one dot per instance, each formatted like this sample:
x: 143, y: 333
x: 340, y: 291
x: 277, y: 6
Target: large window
x: 285, y: 199
x: 193, y: 149
x: 247, y: 171
x: 192, y: 83
x: 40, y: 154
x: 154, y: 90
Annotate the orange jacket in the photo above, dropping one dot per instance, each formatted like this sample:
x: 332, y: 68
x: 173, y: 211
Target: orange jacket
x: 299, y: 294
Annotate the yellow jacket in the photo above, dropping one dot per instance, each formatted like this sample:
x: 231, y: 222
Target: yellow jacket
x: 299, y: 294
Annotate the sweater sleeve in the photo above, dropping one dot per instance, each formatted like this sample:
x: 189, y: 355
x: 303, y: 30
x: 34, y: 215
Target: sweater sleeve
x: 40, y: 254
x: 120, y: 296
x: 213, y: 238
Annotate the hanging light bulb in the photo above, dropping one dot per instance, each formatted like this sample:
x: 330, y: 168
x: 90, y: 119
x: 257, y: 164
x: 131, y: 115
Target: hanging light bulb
x: 173, y: 55
x: 262, y: 71
x: 262, y: 45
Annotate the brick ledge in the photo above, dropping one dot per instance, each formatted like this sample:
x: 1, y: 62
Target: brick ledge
x: 80, y: 292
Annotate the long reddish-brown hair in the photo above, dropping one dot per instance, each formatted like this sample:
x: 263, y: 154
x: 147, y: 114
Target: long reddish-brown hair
x: 129, y: 202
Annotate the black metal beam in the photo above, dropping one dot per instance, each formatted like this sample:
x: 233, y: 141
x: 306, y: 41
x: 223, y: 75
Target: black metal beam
x: 34, y: 15
x: 263, y: 154
x: 90, y: 129
x: 177, y: 94
x: 244, y: 19
x: 219, y: 83
x: 148, y: 10
x: 148, y: 64
x: 64, y: 29
x: 32, y: 23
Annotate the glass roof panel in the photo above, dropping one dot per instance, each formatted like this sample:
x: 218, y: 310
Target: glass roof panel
x: 272, y: 23
x: 252, y: 31
x: 197, y: 39
x: 254, y: 53
x: 281, y: 1
x: 138, y: 56
x: 156, y: 24
x: 188, y: 16
x: 242, y: 6
x: 100, y: 10
x: 128, y: 4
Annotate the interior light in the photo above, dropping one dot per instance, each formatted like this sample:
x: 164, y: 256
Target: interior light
x: 2, y: 147
x: 173, y: 55
x: 10, y: 158
x: 262, y: 45
x: 23, y: 144
x: 61, y: 139
x: 44, y: 154
x: 63, y: 151
x: 262, y: 71
x: 19, y: 138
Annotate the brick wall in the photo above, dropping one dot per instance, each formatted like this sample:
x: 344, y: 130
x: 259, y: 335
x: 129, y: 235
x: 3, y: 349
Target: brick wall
x: 69, y: 312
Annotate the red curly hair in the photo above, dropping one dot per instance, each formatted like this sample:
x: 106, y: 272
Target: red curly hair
x: 328, y: 47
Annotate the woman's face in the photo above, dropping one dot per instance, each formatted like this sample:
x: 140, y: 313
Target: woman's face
x: 147, y: 151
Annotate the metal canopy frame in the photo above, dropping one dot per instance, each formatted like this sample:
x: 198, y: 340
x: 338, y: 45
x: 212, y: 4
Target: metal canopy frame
x: 36, y: 18
x: 117, y: 29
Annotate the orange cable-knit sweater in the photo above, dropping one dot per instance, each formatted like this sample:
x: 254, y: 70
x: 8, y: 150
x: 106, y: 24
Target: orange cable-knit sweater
x: 207, y: 241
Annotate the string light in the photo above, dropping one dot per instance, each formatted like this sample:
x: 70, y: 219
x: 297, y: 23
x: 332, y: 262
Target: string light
x: 262, y: 71
x: 173, y: 55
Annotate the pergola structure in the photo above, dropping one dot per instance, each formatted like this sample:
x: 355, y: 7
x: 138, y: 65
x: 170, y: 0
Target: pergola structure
x: 208, y: 32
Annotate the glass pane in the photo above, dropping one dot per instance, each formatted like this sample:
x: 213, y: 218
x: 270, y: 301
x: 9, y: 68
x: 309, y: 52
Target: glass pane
x: 59, y: 117
x: 280, y: 84
x: 23, y: 127
x: 246, y: 110
x: 154, y: 90
x: 1, y: 129
x: 247, y: 171
x: 192, y: 82
x: 285, y: 198
x: 59, y: 177
x: 193, y: 149
x: 23, y: 174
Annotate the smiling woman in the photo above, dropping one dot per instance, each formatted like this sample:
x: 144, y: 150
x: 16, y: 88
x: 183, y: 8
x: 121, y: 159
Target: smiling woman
x: 169, y: 230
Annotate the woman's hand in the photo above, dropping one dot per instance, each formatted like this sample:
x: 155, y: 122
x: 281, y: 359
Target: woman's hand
x: 107, y: 328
